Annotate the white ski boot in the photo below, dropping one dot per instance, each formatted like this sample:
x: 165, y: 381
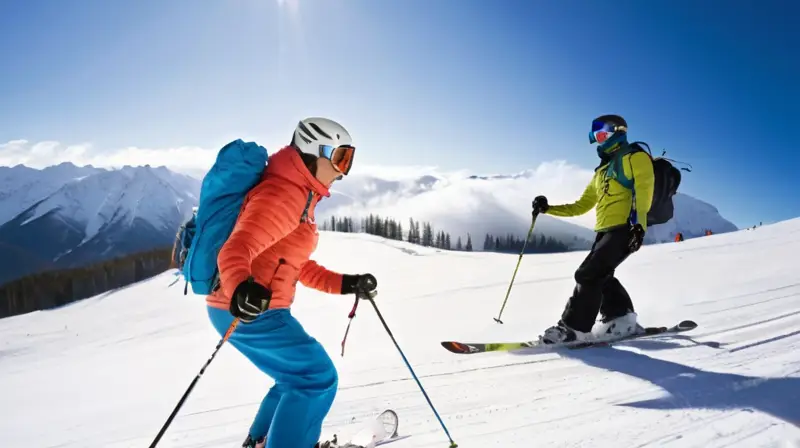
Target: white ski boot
x: 374, y: 432
x: 618, y: 327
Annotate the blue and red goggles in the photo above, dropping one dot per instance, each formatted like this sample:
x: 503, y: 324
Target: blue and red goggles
x: 602, y: 131
x: 340, y: 156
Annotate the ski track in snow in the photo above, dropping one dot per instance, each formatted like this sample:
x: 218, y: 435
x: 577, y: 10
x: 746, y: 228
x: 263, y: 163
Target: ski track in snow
x: 107, y: 371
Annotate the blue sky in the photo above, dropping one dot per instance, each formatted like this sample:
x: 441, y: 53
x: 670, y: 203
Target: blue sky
x: 478, y: 85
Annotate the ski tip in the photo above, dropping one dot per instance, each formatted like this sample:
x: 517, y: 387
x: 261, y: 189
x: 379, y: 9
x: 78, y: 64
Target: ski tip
x: 455, y: 347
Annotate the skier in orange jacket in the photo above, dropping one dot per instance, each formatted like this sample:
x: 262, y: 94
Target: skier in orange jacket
x: 265, y: 256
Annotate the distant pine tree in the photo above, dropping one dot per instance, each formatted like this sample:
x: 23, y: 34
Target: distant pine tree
x: 424, y: 234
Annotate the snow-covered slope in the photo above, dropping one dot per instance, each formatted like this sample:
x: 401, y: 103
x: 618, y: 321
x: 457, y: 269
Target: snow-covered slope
x: 21, y: 187
x: 499, y: 204
x: 106, y: 372
x: 99, y: 216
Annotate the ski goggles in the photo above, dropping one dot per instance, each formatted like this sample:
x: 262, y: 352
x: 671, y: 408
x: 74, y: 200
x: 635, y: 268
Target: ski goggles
x: 602, y: 131
x: 340, y: 156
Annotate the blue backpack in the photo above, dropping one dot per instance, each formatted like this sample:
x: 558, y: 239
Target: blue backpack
x: 238, y: 168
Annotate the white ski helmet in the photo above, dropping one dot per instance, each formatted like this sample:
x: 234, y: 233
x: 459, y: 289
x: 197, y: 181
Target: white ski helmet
x: 323, y: 137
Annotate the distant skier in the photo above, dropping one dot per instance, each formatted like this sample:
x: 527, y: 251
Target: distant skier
x: 678, y: 237
x: 187, y: 234
x: 260, y: 264
x: 620, y: 225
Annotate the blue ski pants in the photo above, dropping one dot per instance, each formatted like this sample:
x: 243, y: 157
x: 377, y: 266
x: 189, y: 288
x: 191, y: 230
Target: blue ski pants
x: 292, y: 412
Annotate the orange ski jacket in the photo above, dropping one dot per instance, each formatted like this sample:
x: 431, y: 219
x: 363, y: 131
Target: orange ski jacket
x: 275, y: 235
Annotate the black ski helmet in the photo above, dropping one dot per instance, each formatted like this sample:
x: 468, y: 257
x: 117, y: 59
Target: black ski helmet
x: 616, y: 120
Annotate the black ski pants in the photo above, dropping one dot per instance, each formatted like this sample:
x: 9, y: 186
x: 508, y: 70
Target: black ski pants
x: 596, y: 288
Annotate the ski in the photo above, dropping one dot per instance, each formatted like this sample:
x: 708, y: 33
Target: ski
x: 467, y: 348
x: 377, y: 432
x: 177, y: 275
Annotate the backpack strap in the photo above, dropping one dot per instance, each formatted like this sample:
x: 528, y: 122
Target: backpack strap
x: 615, y: 170
x: 630, y: 184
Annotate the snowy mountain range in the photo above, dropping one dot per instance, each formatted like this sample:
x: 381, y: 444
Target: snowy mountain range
x: 21, y: 187
x: 66, y: 216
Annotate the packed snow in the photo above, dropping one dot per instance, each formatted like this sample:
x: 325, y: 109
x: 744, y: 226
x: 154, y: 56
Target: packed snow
x: 107, y: 371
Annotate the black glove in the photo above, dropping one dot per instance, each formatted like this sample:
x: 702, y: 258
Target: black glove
x: 637, y: 237
x: 355, y: 283
x: 250, y: 300
x: 540, y: 204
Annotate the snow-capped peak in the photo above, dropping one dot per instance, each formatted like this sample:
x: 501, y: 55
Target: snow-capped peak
x: 120, y: 196
x: 92, y: 215
x: 21, y: 186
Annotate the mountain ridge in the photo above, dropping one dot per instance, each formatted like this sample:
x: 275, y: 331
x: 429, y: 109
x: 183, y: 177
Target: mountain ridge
x: 96, y: 216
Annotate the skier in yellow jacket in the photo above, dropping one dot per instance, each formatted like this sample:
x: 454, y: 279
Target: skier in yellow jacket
x: 622, y: 191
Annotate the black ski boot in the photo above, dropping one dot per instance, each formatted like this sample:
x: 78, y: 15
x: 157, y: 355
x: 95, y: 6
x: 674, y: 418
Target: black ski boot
x: 328, y: 443
x: 561, y: 333
x: 250, y: 443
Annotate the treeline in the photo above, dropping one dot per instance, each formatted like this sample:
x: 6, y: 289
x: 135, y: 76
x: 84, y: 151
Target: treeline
x: 418, y: 232
x: 424, y: 234
x: 56, y: 288
x: 514, y: 244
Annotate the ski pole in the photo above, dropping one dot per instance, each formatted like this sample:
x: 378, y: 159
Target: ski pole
x: 530, y: 231
x: 227, y: 335
x: 370, y: 297
x: 350, y: 317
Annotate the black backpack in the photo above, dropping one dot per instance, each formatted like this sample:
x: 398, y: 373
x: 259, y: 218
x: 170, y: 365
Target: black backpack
x: 667, y: 180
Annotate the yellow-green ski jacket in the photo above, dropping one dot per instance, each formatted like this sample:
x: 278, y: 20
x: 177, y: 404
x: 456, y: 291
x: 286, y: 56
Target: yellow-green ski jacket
x: 612, y: 199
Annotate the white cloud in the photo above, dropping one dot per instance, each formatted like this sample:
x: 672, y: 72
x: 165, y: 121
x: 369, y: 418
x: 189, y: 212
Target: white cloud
x: 291, y: 6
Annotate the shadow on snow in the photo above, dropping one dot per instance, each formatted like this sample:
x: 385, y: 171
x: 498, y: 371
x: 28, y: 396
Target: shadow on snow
x: 691, y: 388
